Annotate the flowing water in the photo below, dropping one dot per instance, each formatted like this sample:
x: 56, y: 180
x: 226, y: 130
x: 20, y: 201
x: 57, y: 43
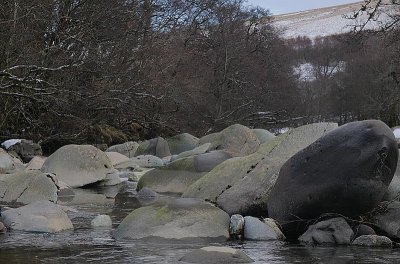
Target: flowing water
x: 88, y: 245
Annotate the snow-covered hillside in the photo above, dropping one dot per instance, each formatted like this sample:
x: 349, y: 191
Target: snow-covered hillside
x: 321, y: 22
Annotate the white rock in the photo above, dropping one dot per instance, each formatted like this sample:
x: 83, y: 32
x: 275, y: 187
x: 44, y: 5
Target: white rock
x: 102, y: 221
x: 254, y: 229
x: 40, y: 216
x: 8, y: 143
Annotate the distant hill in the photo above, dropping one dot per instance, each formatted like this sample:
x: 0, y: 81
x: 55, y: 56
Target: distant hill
x: 321, y: 22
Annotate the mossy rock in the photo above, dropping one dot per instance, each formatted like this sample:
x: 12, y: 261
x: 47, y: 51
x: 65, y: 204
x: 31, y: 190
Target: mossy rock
x: 236, y: 139
x: 175, y: 219
x: 242, y: 185
x: 178, y: 175
x: 157, y: 147
x: 27, y: 186
x: 182, y: 142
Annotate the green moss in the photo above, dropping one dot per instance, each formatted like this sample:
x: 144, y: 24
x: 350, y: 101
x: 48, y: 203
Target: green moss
x: 162, y: 214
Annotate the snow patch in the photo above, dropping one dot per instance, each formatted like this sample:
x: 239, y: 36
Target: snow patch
x: 305, y: 72
x: 328, y: 21
x: 396, y: 133
x: 9, y: 143
x: 283, y: 130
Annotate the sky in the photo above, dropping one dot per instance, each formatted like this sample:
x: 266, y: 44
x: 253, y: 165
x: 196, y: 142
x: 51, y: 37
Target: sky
x: 287, y: 6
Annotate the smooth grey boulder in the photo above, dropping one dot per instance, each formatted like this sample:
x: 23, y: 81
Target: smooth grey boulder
x: 85, y: 196
x: 196, y: 151
x: 254, y: 229
x: 147, y: 196
x: 138, y: 173
x: 372, y: 241
x: 238, y: 140
x: 26, y: 149
x: 8, y: 164
x: 387, y: 220
x: 36, y: 163
x: 182, y: 142
x: 177, y: 176
x: 346, y: 172
x: 28, y: 186
x: 111, y: 179
x: 116, y: 157
x: 143, y: 161
x: 208, y: 138
x: 216, y: 255
x: 332, y: 231
x: 101, y: 221
x: 242, y: 185
x: 127, y: 149
x: 175, y: 219
x: 40, y: 216
x: 263, y: 135
x: 157, y: 147
x: 78, y: 165
x: 236, y: 226
x: 363, y: 230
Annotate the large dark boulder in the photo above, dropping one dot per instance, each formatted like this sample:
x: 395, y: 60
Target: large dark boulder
x: 347, y: 172
x: 242, y: 185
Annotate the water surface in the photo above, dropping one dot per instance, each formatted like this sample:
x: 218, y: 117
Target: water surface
x: 88, y: 245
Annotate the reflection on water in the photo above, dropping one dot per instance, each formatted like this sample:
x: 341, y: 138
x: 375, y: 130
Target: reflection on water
x: 87, y: 245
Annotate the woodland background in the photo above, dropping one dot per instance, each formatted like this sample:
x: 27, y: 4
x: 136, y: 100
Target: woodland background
x: 88, y: 71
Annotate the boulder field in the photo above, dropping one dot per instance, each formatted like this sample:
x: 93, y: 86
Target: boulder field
x: 318, y: 184
x: 242, y: 185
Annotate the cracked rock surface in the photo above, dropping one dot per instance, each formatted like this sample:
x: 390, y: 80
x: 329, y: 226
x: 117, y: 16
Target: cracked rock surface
x: 27, y: 186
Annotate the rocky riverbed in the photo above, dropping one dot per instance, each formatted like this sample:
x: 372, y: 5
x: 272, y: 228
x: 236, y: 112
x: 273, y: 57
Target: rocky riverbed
x: 216, y: 199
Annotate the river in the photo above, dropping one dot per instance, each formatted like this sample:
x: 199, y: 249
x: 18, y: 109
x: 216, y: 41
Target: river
x: 88, y: 245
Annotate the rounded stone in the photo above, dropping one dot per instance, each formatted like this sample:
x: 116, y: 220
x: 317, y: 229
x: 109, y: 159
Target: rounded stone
x: 175, y: 219
x: 263, y: 135
x: 372, y: 241
x: 254, y: 229
x: 346, y: 172
x: 363, y: 230
x: 116, y: 157
x: 157, y: 147
x: 25, y: 187
x: 127, y: 149
x: 78, y: 165
x: 236, y: 226
x: 101, y: 221
x: 182, y: 142
x: 40, y: 216
x: 334, y: 231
